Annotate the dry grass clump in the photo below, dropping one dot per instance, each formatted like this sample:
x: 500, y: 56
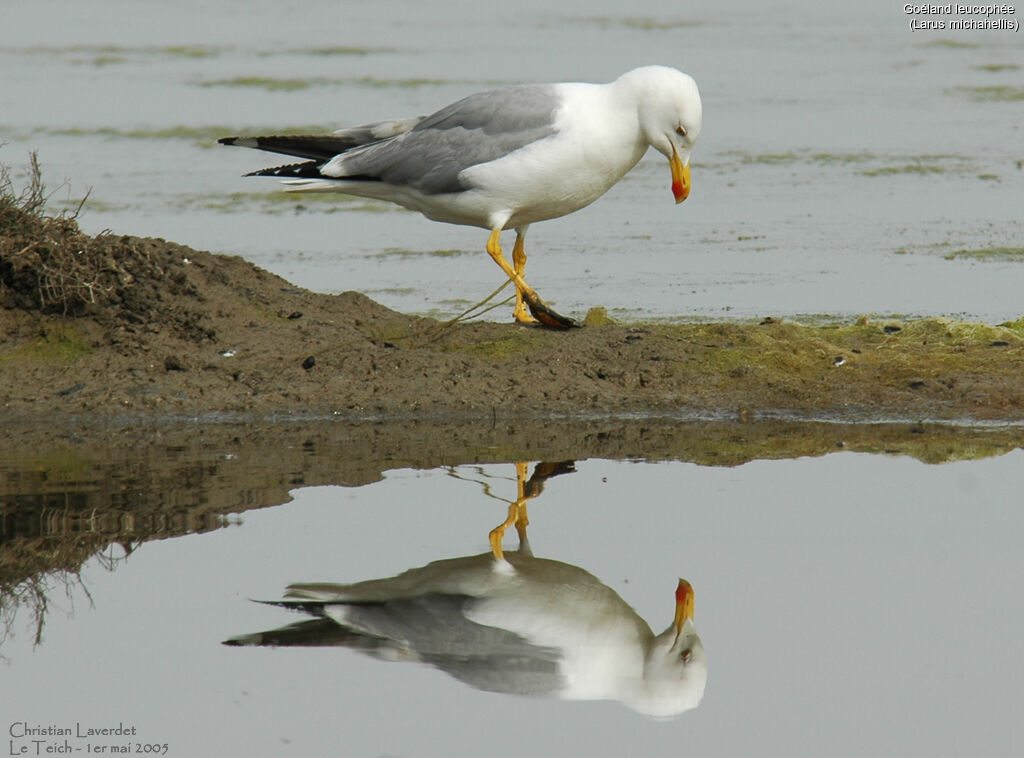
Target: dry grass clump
x: 48, y: 264
x: 43, y: 263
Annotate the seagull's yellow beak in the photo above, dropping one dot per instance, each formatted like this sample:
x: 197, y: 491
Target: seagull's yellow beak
x: 684, y: 605
x: 680, y: 177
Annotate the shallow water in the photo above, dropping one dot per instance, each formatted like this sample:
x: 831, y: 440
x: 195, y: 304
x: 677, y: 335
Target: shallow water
x: 848, y: 603
x: 845, y: 160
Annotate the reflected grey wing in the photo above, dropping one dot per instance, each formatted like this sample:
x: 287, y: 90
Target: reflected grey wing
x: 433, y: 629
x: 527, y: 676
x: 318, y: 632
x: 477, y: 129
x: 436, y: 628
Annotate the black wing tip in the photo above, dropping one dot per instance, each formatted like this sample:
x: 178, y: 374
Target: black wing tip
x: 305, y: 170
x: 321, y: 147
x: 242, y: 141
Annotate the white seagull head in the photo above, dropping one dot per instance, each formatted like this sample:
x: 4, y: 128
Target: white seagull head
x: 670, y: 110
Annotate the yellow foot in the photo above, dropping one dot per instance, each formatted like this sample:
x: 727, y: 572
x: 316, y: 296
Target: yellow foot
x: 524, y: 291
x: 522, y: 315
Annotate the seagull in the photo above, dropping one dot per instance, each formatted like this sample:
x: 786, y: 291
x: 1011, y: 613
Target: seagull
x: 509, y: 622
x: 505, y: 158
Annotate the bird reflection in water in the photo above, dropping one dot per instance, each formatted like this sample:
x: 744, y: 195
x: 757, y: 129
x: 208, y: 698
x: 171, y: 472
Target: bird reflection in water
x: 509, y: 622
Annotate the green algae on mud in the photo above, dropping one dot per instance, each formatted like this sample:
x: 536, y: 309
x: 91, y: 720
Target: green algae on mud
x: 59, y: 344
x: 280, y: 84
x: 336, y: 50
x: 867, y: 163
x: 907, y: 168
x: 997, y: 67
x: 201, y: 136
x: 80, y: 53
x: 952, y: 44
x: 279, y: 203
x: 404, y: 252
x: 635, y: 23
x: 269, y: 83
x: 996, y: 253
x: 1003, y: 93
x: 949, y: 252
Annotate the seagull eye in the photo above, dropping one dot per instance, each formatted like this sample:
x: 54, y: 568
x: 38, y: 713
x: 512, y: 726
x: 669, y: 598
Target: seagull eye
x: 686, y: 655
x: 680, y: 131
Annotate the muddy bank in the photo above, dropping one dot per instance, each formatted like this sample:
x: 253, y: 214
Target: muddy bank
x: 211, y: 334
x: 121, y: 327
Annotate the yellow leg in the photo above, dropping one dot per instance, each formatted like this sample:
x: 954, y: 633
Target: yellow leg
x: 521, y: 313
x: 537, y: 306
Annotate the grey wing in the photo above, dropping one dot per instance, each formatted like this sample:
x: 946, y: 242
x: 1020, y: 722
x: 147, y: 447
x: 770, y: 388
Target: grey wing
x: 477, y: 129
x: 320, y: 148
x: 378, y: 130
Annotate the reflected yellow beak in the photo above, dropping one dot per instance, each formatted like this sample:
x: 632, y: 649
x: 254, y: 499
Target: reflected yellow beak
x: 680, y: 177
x: 684, y: 605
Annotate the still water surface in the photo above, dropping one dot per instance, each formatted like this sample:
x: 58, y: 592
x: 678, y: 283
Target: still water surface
x: 848, y: 604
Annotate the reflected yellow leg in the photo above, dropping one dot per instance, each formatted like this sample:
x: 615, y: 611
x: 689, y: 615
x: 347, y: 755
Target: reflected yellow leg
x: 516, y: 515
x: 498, y: 532
x: 537, y: 307
x: 522, y: 521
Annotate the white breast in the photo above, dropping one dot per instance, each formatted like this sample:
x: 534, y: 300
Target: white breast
x: 594, y: 146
